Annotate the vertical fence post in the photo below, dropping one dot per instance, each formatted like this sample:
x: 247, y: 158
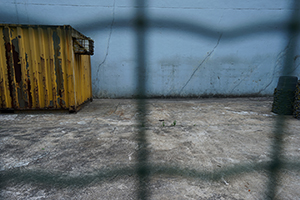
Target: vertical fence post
x: 142, y: 166
x: 287, y: 70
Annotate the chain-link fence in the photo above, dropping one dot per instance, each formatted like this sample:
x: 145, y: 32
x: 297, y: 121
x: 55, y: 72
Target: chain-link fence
x: 145, y: 169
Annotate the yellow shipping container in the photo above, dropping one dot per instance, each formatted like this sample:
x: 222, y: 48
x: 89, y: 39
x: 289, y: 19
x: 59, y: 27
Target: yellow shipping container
x: 44, y: 67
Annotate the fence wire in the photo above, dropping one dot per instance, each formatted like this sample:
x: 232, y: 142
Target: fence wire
x: 143, y: 169
x: 277, y: 145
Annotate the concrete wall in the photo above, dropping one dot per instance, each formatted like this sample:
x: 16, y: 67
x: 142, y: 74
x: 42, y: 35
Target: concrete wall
x: 179, y: 63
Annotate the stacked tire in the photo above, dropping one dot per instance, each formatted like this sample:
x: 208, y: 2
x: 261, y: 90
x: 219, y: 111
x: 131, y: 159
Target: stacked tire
x: 284, y: 95
x: 296, y: 112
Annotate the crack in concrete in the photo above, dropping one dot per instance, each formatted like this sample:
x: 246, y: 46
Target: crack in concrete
x: 61, y: 4
x: 116, y: 108
x: 201, y: 63
x: 281, y: 57
x: 246, y: 76
x: 276, y: 8
x: 295, y: 68
x: 109, y: 37
x: 238, y: 83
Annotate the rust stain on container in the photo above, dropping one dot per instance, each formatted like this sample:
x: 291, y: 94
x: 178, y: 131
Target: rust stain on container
x: 41, y: 67
x: 9, y: 65
x: 16, y: 60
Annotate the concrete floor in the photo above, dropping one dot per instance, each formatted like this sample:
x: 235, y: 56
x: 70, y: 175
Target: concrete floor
x: 61, y: 154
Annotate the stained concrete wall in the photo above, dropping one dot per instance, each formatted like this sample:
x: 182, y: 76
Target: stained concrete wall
x: 179, y: 63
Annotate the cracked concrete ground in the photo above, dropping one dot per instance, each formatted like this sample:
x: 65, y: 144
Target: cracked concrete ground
x: 51, y: 154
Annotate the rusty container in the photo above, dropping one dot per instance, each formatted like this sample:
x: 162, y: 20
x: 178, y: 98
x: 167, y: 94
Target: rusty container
x: 44, y: 67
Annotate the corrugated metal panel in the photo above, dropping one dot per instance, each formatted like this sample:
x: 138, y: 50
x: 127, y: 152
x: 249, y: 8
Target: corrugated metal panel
x: 40, y: 70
